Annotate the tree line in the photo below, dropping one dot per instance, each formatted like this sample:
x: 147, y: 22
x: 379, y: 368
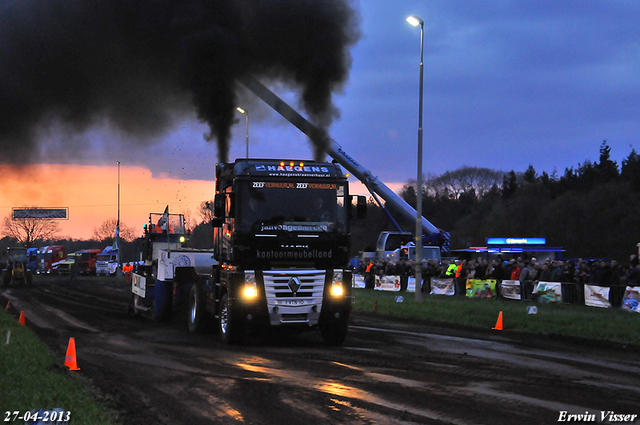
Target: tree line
x: 590, y: 210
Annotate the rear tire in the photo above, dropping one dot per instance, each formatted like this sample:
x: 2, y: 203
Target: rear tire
x: 197, y: 312
x: 134, y: 305
x: 231, y: 330
x: 335, y: 333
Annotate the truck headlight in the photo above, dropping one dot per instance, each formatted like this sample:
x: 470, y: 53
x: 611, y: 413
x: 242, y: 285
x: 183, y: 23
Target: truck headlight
x: 250, y: 289
x: 337, y: 290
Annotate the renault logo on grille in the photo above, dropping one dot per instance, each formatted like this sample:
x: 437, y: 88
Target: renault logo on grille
x: 294, y: 284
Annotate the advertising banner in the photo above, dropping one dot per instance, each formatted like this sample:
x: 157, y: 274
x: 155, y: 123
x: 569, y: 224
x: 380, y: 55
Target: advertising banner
x: 442, y: 287
x: 548, y: 292
x: 40, y: 213
x: 631, y: 300
x: 139, y: 285
x: 596, y: 296
x: 511, y: 289
x: 388, y: 283
x: 477, y: 288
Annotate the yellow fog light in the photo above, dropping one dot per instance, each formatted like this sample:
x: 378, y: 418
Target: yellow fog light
x: 337, y: 290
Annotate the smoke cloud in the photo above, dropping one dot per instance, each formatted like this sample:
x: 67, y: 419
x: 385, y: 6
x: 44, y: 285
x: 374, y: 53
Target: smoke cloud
x: 141, y: 65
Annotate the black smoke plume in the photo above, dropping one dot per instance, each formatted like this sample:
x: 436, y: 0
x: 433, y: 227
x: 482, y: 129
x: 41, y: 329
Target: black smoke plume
x: 140, y: 65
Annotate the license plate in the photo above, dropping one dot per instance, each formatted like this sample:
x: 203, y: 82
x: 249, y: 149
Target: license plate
x: 292, y: 302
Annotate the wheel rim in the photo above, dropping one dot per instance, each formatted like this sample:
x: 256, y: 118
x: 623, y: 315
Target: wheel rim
x: 194, y: 309
x: 135, y: 303
x: 224, y: 318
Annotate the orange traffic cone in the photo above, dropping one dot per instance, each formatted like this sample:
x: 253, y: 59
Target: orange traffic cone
x: 499, y: 322
x: 70, y: 361
x: 21, y: 319
x: 8, y: 308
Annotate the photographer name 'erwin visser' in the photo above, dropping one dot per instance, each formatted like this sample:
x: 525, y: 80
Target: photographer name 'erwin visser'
x: 604, y: 416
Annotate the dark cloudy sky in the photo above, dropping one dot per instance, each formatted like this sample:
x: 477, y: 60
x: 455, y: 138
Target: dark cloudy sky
x: 506, y: 84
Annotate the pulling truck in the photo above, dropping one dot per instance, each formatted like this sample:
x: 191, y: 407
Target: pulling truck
x: 50, y: 256
x: 16, y: 269
x: 86, y: 261
x: 281, y: 241
x: 107, y: 262
x: 165, y: 270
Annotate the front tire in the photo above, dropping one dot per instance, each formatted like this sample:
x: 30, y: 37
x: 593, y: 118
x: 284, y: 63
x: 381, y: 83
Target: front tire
x: 231, y: 330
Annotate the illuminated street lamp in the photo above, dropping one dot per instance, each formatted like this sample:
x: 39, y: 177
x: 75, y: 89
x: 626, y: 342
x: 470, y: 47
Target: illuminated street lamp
x: 415, y: 21
x: 117, y: 236
x: 246, y: 114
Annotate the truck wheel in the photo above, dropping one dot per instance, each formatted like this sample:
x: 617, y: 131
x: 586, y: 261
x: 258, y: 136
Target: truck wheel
x: 197, y: 312
x: 231, y: 330
x: 335, y: 333
x: 134, y: 305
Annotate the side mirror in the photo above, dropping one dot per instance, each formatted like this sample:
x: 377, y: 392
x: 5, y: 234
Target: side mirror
x: 218, y: 205
x: 232, y: 205
x: 360, y: 207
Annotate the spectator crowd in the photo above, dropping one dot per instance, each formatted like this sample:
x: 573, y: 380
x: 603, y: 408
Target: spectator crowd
x: 594, y: 272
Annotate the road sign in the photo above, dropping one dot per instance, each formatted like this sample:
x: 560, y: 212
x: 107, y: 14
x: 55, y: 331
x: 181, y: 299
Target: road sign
x: 40, y: 213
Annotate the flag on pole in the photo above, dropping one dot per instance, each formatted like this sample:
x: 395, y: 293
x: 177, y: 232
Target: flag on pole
x: 164, y: 221
x: 115, y: 240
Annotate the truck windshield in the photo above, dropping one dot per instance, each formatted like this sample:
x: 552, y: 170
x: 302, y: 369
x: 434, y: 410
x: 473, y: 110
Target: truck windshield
x: 290, y: 206
x: 17, y: 255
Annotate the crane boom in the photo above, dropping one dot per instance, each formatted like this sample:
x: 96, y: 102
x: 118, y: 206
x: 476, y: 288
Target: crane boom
x: 336, y: 151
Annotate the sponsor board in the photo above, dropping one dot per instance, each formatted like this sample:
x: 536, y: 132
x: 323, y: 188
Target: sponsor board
x: 40, y: 213
x: 596, y: 296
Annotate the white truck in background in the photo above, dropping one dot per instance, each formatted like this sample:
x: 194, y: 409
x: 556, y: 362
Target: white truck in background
x: 107, y: 262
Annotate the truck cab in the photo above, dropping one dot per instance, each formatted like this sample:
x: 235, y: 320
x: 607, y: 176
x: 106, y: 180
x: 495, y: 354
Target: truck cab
x: 86, y: 261
x: 282, y: 244
x: 392, y: 246
x: 107, y: 262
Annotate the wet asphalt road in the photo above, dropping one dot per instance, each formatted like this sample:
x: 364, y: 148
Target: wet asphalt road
x: 387, y: 372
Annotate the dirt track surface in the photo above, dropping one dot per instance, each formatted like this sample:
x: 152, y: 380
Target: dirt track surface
x: 387, y: 372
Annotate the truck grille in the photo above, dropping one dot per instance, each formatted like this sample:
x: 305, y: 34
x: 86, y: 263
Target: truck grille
x: 278, y: 284
x: 294, y: 296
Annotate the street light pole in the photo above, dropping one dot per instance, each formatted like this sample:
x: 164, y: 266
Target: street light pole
x: 246, y: 114
x: 415, y: 21
x: 118, y: 258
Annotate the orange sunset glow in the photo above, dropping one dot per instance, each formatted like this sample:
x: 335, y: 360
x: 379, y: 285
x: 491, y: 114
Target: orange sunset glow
x: 91, y: 194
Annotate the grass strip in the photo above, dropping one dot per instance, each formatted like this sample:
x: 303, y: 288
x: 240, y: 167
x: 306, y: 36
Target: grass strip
x: 30, y: 379
x: 601, y: 324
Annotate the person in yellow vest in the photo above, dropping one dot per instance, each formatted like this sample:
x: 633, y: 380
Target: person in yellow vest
x: 451, y: 270
x: 127, y: 269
